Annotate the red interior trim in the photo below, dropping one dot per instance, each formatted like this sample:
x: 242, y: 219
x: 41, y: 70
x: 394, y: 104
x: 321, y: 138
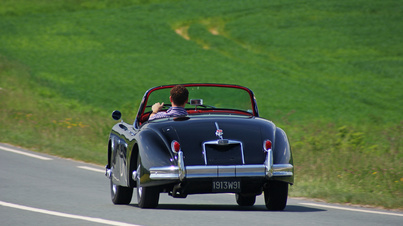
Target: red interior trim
x: 146, y: 115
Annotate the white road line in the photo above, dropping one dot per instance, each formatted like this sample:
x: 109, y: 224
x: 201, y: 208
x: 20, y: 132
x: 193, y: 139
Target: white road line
x: 24, y: 153
x: 91, y: 169
x: 66, y: 215
x: 352, y: 209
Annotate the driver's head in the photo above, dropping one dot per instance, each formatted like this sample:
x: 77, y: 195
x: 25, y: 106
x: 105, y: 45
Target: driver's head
x: 179, y: 95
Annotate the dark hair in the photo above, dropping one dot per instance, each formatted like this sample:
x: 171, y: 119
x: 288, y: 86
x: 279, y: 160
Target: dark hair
x: 179, y: 95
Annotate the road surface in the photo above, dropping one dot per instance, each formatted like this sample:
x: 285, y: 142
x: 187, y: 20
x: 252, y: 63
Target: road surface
x: 38, y: 189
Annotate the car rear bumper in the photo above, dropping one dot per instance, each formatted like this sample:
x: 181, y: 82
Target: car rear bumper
x: 266, y: 170
x: 174, y: 172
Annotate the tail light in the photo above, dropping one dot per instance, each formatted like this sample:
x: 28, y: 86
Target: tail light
x: 267, y: 145
x: 175, y: 146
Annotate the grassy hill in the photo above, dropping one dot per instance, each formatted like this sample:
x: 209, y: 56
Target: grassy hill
x: 329, y: 72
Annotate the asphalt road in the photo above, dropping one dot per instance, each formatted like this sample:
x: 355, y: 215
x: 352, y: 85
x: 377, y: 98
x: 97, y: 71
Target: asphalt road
x: 38, y: 189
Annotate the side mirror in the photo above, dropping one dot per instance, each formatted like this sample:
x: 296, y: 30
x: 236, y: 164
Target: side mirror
x: 116, y: 115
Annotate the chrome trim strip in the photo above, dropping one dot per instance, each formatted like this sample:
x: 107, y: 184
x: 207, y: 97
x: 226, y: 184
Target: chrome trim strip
x: 282, y: 170
x: 181, y: 165
x: 282, y: 174
x: 164, y: 173
x: 283, y: 167
x: 269, y: 163
x: 250, y: 170
x: 201, y: 171
x: 226, y: 171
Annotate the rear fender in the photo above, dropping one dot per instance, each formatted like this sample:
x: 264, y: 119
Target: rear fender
x: 132, y: 166
x: 282, y: 150
x: 282, y: 153
x: 154, y: 151
x: 117, y: 158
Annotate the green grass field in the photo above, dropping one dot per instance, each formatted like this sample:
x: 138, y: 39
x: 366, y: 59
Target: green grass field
x: 329, y: 72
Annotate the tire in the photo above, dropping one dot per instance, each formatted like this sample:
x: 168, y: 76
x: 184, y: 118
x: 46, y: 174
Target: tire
x: 120, y: 194
x: 147, y: 197
x: 245, y: 200
x: 275, y: 195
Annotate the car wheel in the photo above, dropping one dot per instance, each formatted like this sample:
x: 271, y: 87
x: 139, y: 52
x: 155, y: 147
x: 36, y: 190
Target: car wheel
x: 275, y: 195
x: 147, y: 197
x: 245, y: 200
x: 120, y: 194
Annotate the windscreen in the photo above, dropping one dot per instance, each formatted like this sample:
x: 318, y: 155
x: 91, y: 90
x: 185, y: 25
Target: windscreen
x: 213, y: 98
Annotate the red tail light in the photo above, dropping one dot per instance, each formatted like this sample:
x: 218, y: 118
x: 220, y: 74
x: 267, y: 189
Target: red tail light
x: 176, y: 147
x: 267, y: 145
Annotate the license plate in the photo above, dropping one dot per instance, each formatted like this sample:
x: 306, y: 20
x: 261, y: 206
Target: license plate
x: 227, y: 186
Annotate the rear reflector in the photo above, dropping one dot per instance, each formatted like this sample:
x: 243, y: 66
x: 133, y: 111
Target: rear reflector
x: 267, y: 145
x: 176, y: 147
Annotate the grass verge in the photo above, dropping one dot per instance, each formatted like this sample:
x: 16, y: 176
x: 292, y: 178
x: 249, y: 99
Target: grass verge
x: 329, y: 73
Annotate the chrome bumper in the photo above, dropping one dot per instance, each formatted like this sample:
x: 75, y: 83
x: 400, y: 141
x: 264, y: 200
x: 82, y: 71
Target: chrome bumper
x: 266, y: 170
x: 174, y: 173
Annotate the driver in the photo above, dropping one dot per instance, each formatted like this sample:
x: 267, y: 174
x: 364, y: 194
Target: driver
x: 179, y: 98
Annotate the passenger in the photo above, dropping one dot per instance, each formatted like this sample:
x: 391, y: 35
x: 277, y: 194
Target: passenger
x: 179, y: 98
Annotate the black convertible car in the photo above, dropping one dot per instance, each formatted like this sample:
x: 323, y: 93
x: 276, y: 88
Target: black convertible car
x: 221, y: 146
